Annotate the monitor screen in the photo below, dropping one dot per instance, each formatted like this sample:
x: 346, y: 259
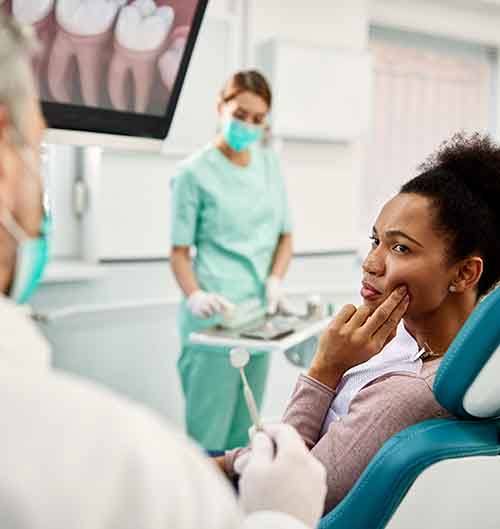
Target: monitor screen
x: 111, y: 66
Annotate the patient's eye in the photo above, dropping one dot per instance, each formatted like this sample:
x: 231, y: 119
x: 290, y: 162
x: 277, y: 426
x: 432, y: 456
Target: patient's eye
x: 400, y: 248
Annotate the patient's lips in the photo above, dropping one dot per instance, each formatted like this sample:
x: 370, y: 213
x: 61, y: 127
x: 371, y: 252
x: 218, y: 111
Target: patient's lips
x: 140, y: 37
x: 84, y: 34
x: 368, y: 291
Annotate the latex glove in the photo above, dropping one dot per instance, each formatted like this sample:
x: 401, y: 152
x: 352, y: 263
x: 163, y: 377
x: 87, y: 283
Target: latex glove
x: 241, y: 462
x: 276, y: 300
x: 274, y: 294
x: 205, y: 304
x: 281, y: 475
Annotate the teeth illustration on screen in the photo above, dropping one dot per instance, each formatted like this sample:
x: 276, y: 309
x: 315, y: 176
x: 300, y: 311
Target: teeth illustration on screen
x: 84, y: 17
x: 169, y: 62
x: 5, y: 6
x: 142, y: 26
x: 140, y: 37
x: 183, y: 9
x: 31, y: 11
x: 84, y: 33
x: 39, y: 14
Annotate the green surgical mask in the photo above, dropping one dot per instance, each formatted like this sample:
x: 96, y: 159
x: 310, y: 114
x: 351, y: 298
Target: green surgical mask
x: 32, y: 256
x: 32, y: 253
x: 240, y: 135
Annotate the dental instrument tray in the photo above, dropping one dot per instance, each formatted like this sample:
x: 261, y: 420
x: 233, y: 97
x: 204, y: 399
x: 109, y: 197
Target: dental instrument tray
x: 264, y: 328
x: 272, y: 328
x: 261, y: 331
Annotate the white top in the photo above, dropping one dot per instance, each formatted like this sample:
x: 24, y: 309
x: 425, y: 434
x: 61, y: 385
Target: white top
x: 22, y: 346
x: 400, y: 354
x: 74, y: 454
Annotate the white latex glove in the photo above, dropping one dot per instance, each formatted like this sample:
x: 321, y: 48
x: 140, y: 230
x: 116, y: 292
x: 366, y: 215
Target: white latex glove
x: 205, y: 304
x: 274, y: 293
x: 281, y: 475
x: 276, y: 300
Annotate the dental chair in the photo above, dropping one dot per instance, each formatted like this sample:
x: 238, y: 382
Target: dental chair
x: 441, y: 473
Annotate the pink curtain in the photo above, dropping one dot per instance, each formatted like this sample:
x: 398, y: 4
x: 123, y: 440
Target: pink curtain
x: 421, y: 97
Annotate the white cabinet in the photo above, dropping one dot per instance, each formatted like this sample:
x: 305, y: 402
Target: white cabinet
x: 320, y: 94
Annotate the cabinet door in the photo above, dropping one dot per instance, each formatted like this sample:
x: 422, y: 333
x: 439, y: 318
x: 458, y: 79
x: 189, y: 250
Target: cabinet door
x: 321, y: 94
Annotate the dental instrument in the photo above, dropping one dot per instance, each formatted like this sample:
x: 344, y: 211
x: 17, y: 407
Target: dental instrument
x: 239, y: 358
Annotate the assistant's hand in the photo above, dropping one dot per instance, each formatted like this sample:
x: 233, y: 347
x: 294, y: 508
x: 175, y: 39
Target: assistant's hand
x: 206, y: 304
x: 281, y: 475
x: 274, y: 293
x: 355, y: 335
x: 276, y: 300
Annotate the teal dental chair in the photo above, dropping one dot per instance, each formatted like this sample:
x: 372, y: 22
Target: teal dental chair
x: 441, y: 473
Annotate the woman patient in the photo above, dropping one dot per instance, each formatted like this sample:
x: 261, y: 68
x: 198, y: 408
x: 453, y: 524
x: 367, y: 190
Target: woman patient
x: 435, y: 252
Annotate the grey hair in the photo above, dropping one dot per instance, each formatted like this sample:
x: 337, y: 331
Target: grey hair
x: 18, y: 45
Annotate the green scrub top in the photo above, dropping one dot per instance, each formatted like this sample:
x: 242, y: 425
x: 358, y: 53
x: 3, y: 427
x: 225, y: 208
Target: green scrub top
x: 234, y: 217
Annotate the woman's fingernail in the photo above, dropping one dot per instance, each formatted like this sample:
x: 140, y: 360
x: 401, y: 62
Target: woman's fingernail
x: 401, y: 290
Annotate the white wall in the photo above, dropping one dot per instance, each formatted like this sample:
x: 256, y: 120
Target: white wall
x: 322, y: 22
x: 334, y: 168
x: 463, y: 20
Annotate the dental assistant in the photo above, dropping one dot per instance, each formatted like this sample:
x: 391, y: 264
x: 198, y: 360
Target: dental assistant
x: 229, y: 203
x: 73, y: 454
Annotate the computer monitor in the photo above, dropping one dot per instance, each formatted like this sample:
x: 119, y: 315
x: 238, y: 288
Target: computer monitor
x: 111, y: 66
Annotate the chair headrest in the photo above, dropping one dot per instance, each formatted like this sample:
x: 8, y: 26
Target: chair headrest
x: 467, y: 383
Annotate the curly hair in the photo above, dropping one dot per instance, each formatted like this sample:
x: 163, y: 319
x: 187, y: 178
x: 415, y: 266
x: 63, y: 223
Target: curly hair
x: 462, y: 179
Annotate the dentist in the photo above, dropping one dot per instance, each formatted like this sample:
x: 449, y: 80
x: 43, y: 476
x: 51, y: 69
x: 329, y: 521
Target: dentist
x: 76, y: 455
x: 228, y: 202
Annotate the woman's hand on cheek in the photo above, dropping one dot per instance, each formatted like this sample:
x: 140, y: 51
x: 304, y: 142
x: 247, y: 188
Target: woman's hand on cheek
x: 355, y: 335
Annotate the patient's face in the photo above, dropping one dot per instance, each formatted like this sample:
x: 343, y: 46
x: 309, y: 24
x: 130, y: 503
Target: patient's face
x: 407, y: 250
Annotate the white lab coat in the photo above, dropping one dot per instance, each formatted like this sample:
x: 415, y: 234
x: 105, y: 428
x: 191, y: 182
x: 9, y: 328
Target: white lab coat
x: 74, y: 455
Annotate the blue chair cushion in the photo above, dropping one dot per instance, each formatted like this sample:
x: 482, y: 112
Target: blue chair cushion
x: 386, y: 480
x: 467, y: 354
